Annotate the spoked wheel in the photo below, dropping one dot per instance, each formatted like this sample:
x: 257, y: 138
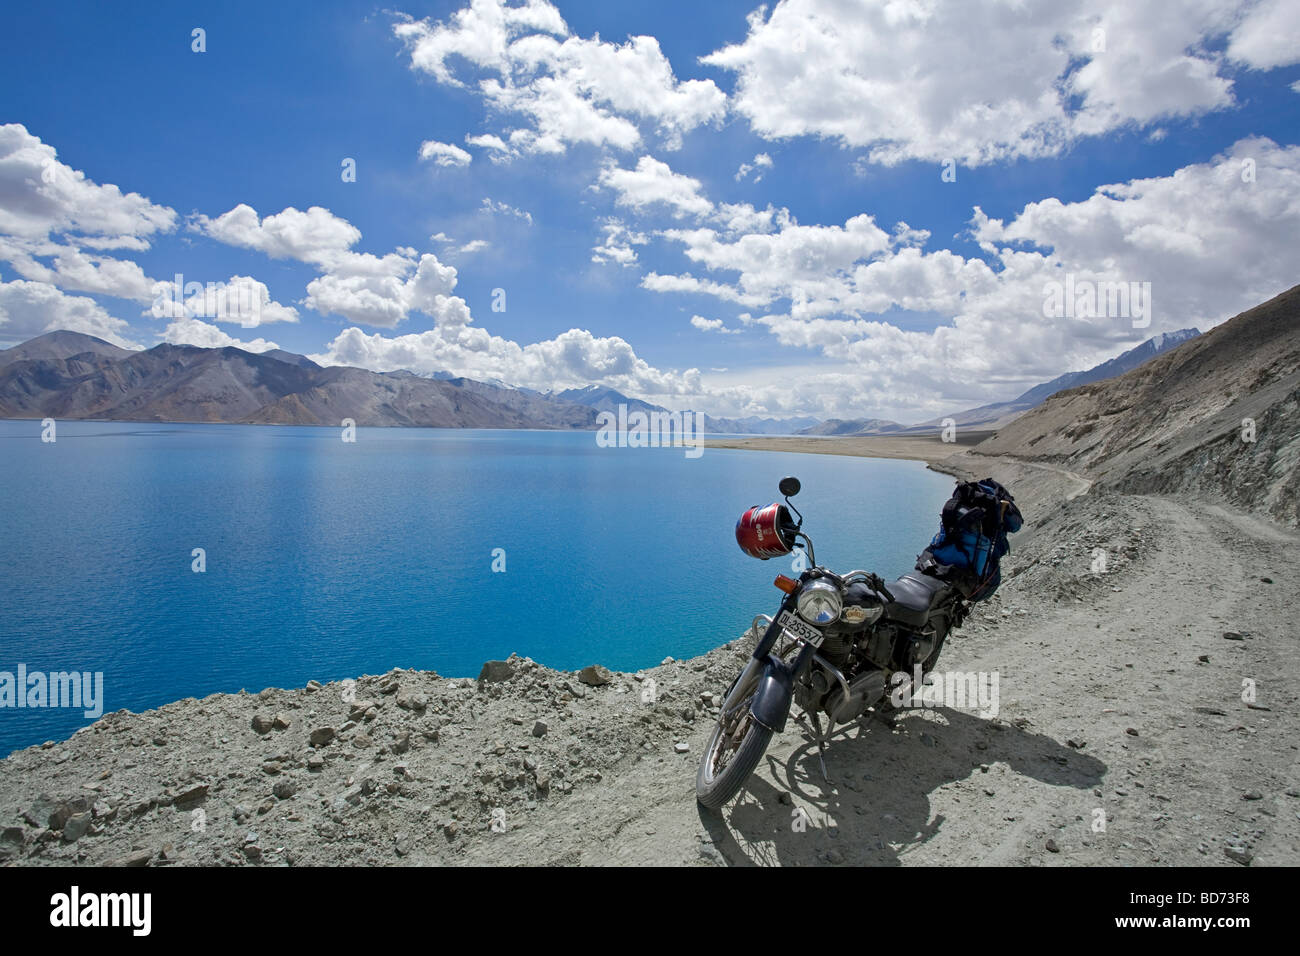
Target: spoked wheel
x: 734, y: 750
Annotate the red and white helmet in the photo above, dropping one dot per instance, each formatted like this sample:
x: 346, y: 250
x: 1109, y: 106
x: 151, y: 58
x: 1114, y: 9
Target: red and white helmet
x: 766, y: 532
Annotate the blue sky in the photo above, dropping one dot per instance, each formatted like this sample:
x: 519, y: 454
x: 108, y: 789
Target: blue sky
x: 788, y: 288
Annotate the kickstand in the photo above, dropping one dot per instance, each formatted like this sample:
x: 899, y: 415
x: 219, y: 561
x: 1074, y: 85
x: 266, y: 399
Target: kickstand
x: 821, y: 746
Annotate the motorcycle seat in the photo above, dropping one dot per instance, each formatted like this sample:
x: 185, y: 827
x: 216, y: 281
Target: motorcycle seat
x: 915, y: 593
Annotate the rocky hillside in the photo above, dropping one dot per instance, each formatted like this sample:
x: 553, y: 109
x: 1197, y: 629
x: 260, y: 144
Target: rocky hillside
x: 1217, y: 417
x: 70, y: 375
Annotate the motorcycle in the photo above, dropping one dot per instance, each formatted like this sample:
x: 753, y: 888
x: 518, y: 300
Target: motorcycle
x: 831, y: 648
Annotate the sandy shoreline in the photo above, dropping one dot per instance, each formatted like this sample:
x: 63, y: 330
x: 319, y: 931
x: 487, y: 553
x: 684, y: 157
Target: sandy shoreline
x: 937, y: 454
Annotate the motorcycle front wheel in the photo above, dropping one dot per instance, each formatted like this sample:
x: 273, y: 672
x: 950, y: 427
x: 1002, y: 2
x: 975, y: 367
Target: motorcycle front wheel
x: 733, y: 751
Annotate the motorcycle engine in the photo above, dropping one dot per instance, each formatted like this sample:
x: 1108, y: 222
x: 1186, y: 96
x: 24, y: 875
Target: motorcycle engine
x: 897, y: 648
x: 864, y: 690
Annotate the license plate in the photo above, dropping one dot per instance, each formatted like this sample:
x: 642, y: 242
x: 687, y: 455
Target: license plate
x: 800, y: 628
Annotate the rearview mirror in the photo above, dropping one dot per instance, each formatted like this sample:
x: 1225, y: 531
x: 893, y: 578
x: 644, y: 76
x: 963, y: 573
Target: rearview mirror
x: 789, y: 487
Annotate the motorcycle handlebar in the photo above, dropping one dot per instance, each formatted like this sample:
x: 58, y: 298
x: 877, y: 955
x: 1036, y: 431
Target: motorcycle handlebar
x: 872, y: 580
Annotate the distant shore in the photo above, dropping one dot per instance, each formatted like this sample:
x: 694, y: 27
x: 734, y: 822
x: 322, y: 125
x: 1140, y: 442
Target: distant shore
x: 927, y: 448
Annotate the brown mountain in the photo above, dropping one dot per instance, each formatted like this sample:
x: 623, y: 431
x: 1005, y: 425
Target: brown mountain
x: 59, y: 376
x: 61, y: 345
x: 1218, y: 416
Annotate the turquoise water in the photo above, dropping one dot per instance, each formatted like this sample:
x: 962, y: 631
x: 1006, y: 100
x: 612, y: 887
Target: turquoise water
x: 327, y: 560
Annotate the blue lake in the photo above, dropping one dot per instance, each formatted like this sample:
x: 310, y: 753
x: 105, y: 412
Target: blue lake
x: 327, y: 559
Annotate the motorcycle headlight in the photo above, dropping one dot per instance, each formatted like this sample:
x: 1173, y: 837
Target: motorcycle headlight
x: 819, y: 602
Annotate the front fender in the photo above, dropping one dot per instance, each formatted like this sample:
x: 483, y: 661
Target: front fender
x: 771, y: 704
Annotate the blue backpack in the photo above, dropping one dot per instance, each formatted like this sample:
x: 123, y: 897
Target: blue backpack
x: 972, y: 538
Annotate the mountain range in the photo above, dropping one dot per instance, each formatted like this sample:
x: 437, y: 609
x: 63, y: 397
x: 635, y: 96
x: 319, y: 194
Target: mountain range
x: 70, y: 375
x: 66, y: 374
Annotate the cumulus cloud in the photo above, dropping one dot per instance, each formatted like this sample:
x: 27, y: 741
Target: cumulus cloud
x: 359, y: 286
x: 689, y: 283
x: 316, y: 236
x: 910, y: 81
x: 40, y: 196
x: 243, y: 301
x: 384, y: 291
x: 1210, y: 238
x: 712, y: 325
x: 653, y: 182
x: 573, y: 358
x: 50, y: 214
x: 73, y: 269
x: 1266, y: 36
x: 808, y: 262
x: 188, y: 331
x: 444, y: 154
x: 524, y: 61
x: 28, y: 309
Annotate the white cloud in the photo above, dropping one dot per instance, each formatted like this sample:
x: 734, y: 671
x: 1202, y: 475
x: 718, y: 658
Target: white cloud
x: 444, y: 154
x: 567, y: 90
x: 909, y: 80
x: 28, y: 309
x: 1268, y: 36
x: 359, y: 286
x: 760, y: 163
x: 383, y: 292
x: 187, y: 331
x: 690, y: 284
x: 497, y: 148
x: 495, y: 208
x: 712, y: 325
x: 316, y: 236
x: 654, y: 182
x: 474, y: 245
x: 573, y: 358
x: 810, y: 263
x: 243, y: 301
x: 1211, y: 238
x: 74, y: 270
x: 618, y: 242
x: 40, y: 196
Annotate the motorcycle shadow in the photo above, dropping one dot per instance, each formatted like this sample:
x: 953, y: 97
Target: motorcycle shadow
x: 876, y: 806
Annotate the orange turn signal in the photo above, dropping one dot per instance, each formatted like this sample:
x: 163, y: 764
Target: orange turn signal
x: 788, y: 585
